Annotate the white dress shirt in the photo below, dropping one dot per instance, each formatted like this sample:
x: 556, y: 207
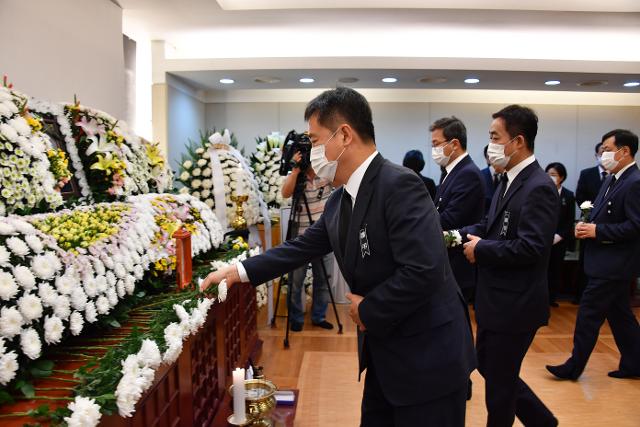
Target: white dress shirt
x: 352, y: 186
x: 621, y: 171
x: 514, y: 171
x: 453, y: 164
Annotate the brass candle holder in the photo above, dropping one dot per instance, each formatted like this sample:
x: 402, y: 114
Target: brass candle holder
x: 239, y: 222
x: 260, y: 402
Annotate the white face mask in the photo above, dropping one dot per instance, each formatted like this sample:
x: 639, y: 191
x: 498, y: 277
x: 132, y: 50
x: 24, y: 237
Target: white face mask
x: 608, y: 160
x: 496, y: 155
x: 437, y: 153
x: 323, y: 167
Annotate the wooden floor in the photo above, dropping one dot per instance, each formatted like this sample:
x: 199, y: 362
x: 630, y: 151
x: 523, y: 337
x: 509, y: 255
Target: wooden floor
x: 323, y: 365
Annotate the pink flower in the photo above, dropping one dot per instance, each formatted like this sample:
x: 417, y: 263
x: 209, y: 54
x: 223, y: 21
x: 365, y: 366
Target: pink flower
x: 90, y: 127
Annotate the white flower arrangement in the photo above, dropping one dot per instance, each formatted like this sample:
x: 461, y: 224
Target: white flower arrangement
x: 586, y: 207
x: 85, y: 412
x: 261, y: 290
x: 452, y: 238
x: 47, y: 290
x: 26, y: 179
x: 214, y: 170
x: 265, y: 163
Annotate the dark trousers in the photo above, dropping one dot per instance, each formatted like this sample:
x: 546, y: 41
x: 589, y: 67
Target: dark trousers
x: 556, y: 260
x: 581, y: 280
x: 606, y: 299
x: 500, y: 357
x: 446, y: 411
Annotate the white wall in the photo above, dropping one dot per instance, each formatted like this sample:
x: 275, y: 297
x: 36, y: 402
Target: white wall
x: 186, y: 117
x: 567, y: 133
x: 55, y: 49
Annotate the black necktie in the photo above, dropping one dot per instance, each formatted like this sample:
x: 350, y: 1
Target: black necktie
x: 496, y: 180
x: 611, y: 184
x: 504, y: 179
x: 443, y: 175
x: 604, y: 176
x: 345, y: 218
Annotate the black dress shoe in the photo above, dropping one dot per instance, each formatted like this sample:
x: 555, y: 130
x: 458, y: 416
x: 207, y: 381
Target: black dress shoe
x: 324, y: 324
x: 563, y: 372
x: 619, y: 373
x: 296, y: 326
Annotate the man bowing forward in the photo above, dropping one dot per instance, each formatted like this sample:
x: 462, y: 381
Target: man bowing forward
x: 413, y: 333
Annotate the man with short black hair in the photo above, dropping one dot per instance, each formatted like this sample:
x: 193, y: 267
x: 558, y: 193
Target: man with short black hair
x: 511, y: 247
x: 413, y: 333
x: 612, y: 251
x: 460, y: 197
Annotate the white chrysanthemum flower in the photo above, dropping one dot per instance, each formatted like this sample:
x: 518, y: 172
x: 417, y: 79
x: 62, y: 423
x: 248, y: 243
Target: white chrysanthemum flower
x: 42, y: 267
x: 34, y: 243
x: 30, y: 343
x: 129, y: 284
x: 5, y: 257
x: 53, y: 260
x: 8, y: 286
x: 120, y: 271
x: 108, y: 262
x: 24, y: 227
x: 6, y: 229
x: 17, y: 246
x: 24, y: 277
x: 53, y: 329
x: 62, y: 307
x: 181, y: 312
x: 76, y: 323
x: 30, y: 307
x: 8, y: 367
x: 202, y: 162
x: 78, y: 298
x: 91, y: 287
x: 85, y: 412
x: 196, y: 172
x: 90, y: 312
x: 120, y: 289
x: 102, y: 305
x: 10, y: 322
x: 149, y: 354
x: 47, y: 294
x: 103, y: 282
x: 138, y: 272
x: 65, y: 284
x: 586, y: 205
x: 112, y: 296
x: 206, y: 172
x: 187, y: 164
x: 99, y: 267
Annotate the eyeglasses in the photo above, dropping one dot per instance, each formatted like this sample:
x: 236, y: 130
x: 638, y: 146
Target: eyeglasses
x: 440, y: 143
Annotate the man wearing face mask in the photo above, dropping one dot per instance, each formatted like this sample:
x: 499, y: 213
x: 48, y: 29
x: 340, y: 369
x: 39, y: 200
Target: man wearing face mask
x: 413, y: 334
x: 612, y: 251
x: 460, y: 197
x: 511, y: 248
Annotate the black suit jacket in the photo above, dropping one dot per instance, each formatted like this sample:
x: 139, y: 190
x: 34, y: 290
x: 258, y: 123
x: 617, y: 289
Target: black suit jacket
x: 589, y: 184
x: 431, y: 186
x: 489, y: 188
x: 418, y: 336
x: 615, y: 252
x: 513, y: 257
x: 460, y: 202
x: 567, y: 218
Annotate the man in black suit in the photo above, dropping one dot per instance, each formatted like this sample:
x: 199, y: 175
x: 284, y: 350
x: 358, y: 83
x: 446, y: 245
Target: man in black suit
x: 589, y: 184
x: 460, y: 197
x: 511, y: 247
x: 413, y: 332
x: 612, y: 251
x: 491, y: 177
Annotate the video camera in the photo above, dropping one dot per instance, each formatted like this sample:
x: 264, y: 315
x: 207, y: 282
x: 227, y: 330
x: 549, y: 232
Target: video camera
x: 295, y: 142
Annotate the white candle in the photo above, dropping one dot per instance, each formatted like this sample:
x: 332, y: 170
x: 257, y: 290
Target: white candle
x: 239, y: 415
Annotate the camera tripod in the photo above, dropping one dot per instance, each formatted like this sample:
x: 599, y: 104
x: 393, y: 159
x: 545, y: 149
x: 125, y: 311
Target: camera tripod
x: 293, y: 222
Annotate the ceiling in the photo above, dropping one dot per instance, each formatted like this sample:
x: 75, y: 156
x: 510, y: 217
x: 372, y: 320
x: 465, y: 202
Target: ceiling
x: 506, y: 46
x: 407, y: 79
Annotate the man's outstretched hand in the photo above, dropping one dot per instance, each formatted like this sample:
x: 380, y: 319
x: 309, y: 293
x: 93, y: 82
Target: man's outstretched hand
x: 230, y: 273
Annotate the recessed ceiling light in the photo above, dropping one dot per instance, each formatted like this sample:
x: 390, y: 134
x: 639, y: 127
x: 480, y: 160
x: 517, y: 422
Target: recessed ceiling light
x: 591, y: 83
x: 267, y: 79
x: 631, y: 84
x: 472, y: 81
x: 307, y: 80
x: 552, y: 82
x: 432, y: 80
x: 348, y: 79
x: 389, y: 80
x: 227, y: 81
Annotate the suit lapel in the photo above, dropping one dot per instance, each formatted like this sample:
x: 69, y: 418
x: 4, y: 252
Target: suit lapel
x: 606, y: 197
x: 513, y: 189
x: 363, y: 198
x: 449, y: 179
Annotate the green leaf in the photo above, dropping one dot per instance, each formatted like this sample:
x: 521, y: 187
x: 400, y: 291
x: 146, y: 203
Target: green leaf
x: 5, y: 397
x: 114, y: 323
x: 28, y: 390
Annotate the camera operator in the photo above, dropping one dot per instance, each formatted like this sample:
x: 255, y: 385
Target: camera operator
x: 317, y: 191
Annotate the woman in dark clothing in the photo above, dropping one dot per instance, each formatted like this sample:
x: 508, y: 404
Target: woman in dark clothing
x: 563, y: 239
x: 415, y: 161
